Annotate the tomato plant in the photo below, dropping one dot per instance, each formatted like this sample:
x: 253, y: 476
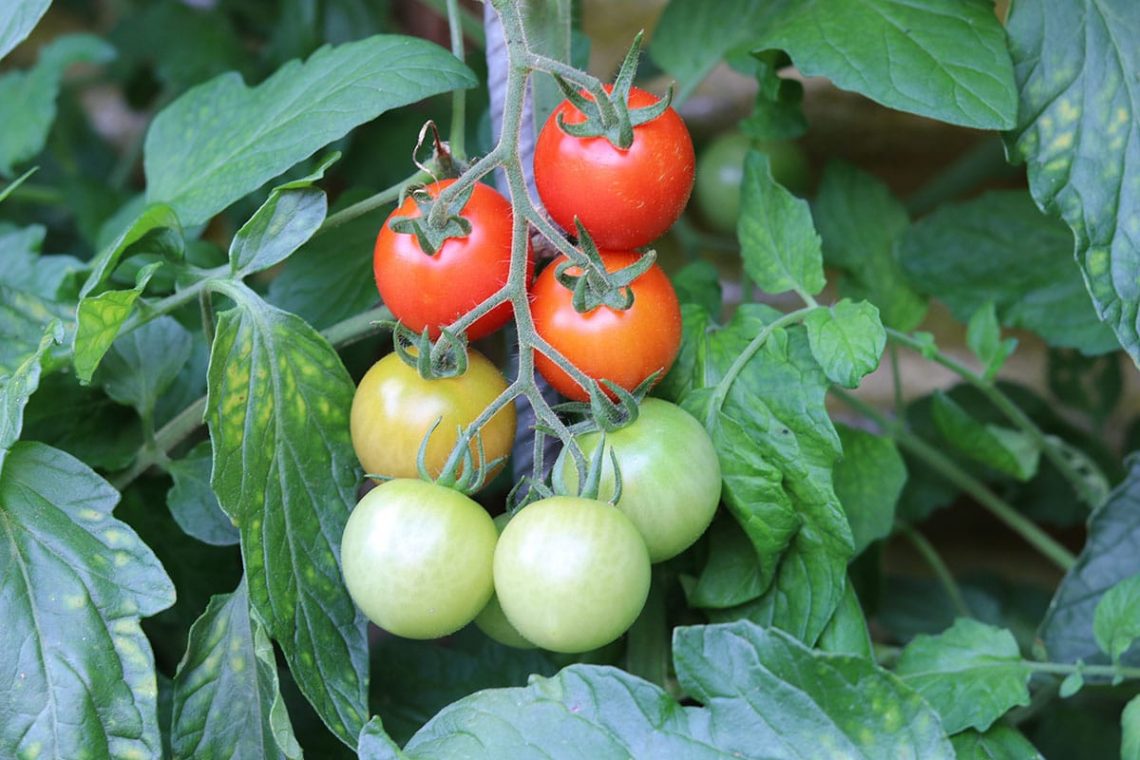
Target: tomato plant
x: 431, y: 290
x: 720, y: 170
x: 670, y: 476
x: 624, y: 197
x: 571, y: 574
x: 394, y: 408
x: 417, y: 558
x: 624, y: 347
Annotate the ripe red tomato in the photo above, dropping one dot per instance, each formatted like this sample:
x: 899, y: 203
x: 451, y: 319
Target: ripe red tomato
x: 433, y: 291
x: 624, y: 198
x: 624, y: 347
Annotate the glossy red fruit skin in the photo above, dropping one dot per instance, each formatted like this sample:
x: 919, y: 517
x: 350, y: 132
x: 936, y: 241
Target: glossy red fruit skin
x: 624, y: 198
x: 624, y: 347
x: 433, y: 291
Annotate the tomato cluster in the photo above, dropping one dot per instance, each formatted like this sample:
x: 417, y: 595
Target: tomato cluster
x: 566, y: 573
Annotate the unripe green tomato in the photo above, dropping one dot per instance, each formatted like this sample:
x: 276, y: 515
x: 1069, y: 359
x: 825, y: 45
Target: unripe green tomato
x: 670, y: 476
x: 492, y: 620
x: 571, y: 574
x: 417, y: 558
x: 720, y: 171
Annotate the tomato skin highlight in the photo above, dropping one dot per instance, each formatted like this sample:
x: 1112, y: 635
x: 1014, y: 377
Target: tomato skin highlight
x: 624, y: 347
x: 394, y: 408
x: 433, y: 291
x: 670, y: 476
x: 417, y: 558
x: 571, y: 574
x: 624, y: 198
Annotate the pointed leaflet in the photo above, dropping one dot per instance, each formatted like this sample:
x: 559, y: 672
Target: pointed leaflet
x: 226, y: 700
x: 192, y: 501
x: 223, y: 140
x: 17, y: 19
x: 780, y: 246
x: 285, y: 473
x: 847, y: 339
x: 999, y: 743
x: 759, y: 689
x: 1078, y: 130
x: 17, y: 388
x: 1116, y: 623
x: 375, y: 744
x: 983, y: 336
x: 972, y: 674
x: 152, y: 219
x: 847, y: 632
x: 1111, y: 554
x: 99, y: 320
x: 1006, y: 450
x: 945, y: 59
x: 73, y: 573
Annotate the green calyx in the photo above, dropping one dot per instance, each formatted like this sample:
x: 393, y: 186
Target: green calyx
x: 608, y: 114
x: 438, y: 221
x: 445, y: 357
x: 592, y: 286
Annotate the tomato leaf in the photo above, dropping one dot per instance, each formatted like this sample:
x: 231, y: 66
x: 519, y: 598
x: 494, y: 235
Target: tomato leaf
x: 27, y: 98
x: 1079, y: 134
x: 780, y: 246
x: 285, y: 473
x: 868, y: 481
x: 75, y: 573
x: 999, y: 743
x: 18, y: 387
x: 223, y: 140
x: 154, y: 219
x: 972, y: 674
x: 1003, y: 449
x: 847, y: 632
x: 375, y: 744
x: 226, y: 700
x: 24, y: 268
x: 999, y: 248
x: 17, y: 19
x: 983, y: 336
x: 23, y: 318
x: 192, y: 502
x: 847, y: 339
x: 1116, y: 623
x: 731, y: 575
x: 760, y: 688
x: 140, y: 366
x: 860, y: 222
x: 1130, y: 726
x: 99, y: 319
x: 945, y: 59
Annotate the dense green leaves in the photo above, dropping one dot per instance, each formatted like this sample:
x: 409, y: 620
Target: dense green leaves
x: 1075, y: 64
x: 945, y: 59
x: 222, y: 140
x: 17, y: 19
x: 971, y: 674
x: 226, y: 701
x: 73, y: 573
x: 868, y: 481
x: 780, y: 247
x: 847, y: 340
x: 1116, y: 623
x: 999, y: 743
x: 998, y: 248
x: 1111, y: 554
x: 285, y: 473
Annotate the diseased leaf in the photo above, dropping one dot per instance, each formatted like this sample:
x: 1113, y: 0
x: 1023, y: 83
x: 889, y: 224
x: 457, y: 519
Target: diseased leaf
x: 945, y: 59
x: 99, y: 319
x: 1003, y: 449
x: 285, y: 472
x: 999, y: 743
x: 23, y: 318
x: 780, y: 246
x: 972, y: 674
x: 1078, y: 131
x: 192, y: 501
x: 998, y: 248
x: 17, y: 19
x: 27, y: 98
x: 1116, y: 623
x: 74, y: 574
x: 847, y: 340
x: 868, y: 481
x: 223, y: 140
x: 226, y: 701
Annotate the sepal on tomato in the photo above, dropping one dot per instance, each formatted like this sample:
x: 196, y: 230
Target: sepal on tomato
x: 432, y: 227
x: 589, y: 486
x: 445, y: 357
x: 593, y: 286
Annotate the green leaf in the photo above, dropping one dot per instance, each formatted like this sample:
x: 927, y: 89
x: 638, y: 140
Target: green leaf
x: 192, y: 501
x: 860, y: 222
x: 1111, y: 555
x: 761, y: 689
x: 375, y: 744
x: 287, y: 219
x: 142, y: 364
x: 27, y: 98
x: 76, y: 584
x: 868, y: 481
x: 1075, y: 64
x: 1092, y: 385
x: 285, y: 473
x: 1116, y: 623
x: 778, y: 112
x: 17, y: 19
x: 1130, y: 725
x: 731, y: 575
x: 847, y: 340
x: 945, y: 59
x: 999, y: 743
x: 1071, y: 684
x: 983, y: 336
x: 998, y: 248
x: 1003, y: 449
x: 25, y: 269
x: 17, y: 388
x: 972, y: 674
x: 23, y: 318
x: 780, y: 246
x: 155, y: 219
x: 223, y: 140
x: 698, y: 283
x: 846, y: 632
x: 226, y: 698
x: 99, y: 319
